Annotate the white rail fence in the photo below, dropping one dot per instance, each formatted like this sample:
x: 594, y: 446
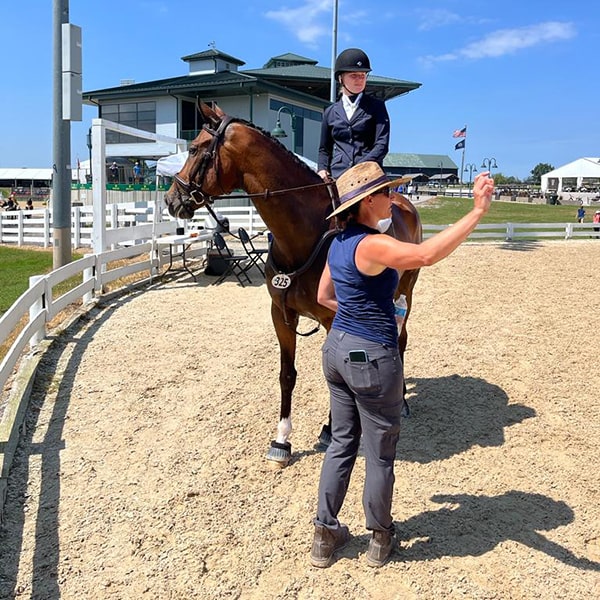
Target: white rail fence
x: 34, y: 227
x: 130, y: 223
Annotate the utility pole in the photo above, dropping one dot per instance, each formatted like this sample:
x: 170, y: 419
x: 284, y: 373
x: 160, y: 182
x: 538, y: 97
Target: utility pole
x: 67, y: 107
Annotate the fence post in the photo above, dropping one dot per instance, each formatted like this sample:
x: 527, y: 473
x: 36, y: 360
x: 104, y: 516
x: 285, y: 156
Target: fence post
x: 36, y: 308
x: 568, y: 231
x: 20, y: 241
x: 88, y: 274
x: 510, y: 231
x: 47, y: 229
x: 76, y: 227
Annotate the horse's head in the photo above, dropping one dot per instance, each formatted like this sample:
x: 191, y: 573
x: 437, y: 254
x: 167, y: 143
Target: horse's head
x: 200, y: 178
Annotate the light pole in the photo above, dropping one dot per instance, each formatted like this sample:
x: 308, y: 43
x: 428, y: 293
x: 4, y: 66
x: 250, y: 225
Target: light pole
x: 89, y: 145
x: 441, y: 166
x: 470, y: 167
x: 488, y: 164
x: 279, y: 132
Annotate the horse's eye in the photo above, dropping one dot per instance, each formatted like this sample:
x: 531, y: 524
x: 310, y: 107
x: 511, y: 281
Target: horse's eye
x: 193, y: 150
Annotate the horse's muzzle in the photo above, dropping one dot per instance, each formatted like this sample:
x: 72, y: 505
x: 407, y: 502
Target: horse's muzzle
x: 179, y: 206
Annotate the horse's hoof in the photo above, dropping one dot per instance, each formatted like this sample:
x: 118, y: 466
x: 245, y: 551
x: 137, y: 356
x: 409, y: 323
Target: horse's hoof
x: 324, y: 439
x: 279, y: 455
x: 405, y: 410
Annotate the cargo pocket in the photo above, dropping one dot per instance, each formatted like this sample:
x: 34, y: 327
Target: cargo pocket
x: 363, y: 378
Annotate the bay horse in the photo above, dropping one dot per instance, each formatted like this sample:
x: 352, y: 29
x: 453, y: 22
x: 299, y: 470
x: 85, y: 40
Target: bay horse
x: 293, y: 201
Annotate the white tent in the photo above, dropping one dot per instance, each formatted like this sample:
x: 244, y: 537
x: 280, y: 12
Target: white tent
x: 579, y: 173
x: 168, y: 166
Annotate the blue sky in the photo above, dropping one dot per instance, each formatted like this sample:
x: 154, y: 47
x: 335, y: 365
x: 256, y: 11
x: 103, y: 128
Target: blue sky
x: 520, y: 74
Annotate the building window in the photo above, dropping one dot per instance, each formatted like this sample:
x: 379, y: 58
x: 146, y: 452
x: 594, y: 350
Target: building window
x: 141, y: 115
x: 191, y: 119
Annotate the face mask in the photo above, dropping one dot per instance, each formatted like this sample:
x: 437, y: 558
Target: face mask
x: 383, y: 225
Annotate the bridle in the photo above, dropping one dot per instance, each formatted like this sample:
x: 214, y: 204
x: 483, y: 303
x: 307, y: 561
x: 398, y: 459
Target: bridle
x: 193, y: 187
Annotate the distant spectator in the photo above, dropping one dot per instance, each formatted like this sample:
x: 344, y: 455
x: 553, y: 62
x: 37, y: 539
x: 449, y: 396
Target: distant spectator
x: 580, y: 214
x: 137, y: 172
x: 114, y: 172
x: 29, y: 206
x: 596, y: 221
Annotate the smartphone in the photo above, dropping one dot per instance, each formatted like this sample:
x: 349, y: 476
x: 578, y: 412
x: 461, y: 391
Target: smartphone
x: 358, y: 356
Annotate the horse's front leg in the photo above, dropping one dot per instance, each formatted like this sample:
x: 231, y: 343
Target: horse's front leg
x: 280, y: 452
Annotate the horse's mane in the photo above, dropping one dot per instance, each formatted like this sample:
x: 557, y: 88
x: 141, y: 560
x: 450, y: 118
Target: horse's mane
x: 278, y: 145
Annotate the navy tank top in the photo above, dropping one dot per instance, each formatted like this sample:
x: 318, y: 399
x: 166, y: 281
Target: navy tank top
x: 365, y: 302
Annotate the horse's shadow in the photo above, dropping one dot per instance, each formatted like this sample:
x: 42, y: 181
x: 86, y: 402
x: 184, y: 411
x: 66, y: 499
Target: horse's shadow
x: 473, y: 525
x: 452, y: 414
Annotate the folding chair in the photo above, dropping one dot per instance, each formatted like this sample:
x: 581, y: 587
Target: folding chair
x: 233, y: 262
x: 256, y: 255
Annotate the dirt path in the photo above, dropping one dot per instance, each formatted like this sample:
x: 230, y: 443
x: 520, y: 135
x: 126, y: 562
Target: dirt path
x: 142, y: 474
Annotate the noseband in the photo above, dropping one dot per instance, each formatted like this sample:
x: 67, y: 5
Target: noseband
x: 193, y: 187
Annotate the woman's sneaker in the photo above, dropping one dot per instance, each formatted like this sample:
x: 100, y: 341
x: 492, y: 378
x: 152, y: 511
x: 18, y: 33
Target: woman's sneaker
x: 325, y: 543
x: 380, y: 548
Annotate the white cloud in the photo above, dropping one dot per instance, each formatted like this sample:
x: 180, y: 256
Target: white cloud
x: 509, y: 41
x: 432, y: 19
x: 304, y: 22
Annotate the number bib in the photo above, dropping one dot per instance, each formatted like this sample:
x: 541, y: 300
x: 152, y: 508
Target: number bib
x: 281, y: 281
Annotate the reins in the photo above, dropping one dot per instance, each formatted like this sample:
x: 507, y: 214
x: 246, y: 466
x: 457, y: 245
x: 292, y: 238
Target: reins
x: 193, y: 188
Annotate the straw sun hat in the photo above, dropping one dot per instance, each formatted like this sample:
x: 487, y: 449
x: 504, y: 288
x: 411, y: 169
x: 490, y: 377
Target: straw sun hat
x: 360, y: 181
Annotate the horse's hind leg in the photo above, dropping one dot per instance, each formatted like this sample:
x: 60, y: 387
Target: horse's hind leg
x: 407, y: 283
x: 280, y: 452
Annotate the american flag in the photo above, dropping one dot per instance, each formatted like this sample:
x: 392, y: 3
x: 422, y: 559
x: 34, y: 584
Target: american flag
x: 460, y: 133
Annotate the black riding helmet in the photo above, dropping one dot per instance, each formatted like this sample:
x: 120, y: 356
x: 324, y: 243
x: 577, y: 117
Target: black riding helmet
x: 352, y: 60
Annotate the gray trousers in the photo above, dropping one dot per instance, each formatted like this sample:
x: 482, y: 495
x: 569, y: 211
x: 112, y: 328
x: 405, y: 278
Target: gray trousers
x: 365, y: 398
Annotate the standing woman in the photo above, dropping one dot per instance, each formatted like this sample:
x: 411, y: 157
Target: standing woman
x: 361, y: 360
x: 356, y: 128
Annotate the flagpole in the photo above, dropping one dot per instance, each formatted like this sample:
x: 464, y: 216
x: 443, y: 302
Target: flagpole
x: 332, y: 90
x: 462, y: 162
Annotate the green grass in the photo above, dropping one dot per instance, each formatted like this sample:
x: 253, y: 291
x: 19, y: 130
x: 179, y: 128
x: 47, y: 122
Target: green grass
x: 17, y: 265
x: 448, y: 210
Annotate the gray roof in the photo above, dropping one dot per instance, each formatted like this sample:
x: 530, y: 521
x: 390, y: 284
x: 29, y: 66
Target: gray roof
x: 309, y: 76
x: 289, y: 58
x: 213, y: 53
x: 421, y: 161
x: 295, y: 76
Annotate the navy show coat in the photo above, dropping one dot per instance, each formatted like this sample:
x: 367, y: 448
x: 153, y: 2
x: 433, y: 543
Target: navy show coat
x: 346, y: 143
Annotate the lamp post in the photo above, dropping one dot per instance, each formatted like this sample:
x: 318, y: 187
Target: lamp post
x: 488, y: 164
x: 89, y: 145
x: 279, y: 132
x: 470, y: 167
x: 441, y: 166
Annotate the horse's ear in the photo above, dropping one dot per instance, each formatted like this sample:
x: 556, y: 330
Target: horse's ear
x: 210, y: 115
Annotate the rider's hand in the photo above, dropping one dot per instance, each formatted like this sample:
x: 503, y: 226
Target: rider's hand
x: 324, y: 175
